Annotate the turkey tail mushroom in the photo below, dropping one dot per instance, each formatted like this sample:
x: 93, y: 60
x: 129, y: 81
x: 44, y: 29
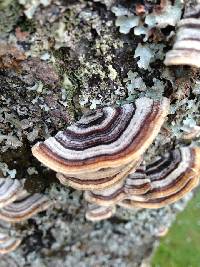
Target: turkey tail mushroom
x: 134, y: 184
x: 16, y: 205
x: 8, y: 244
x: 137, y: 183
x: 172, y: 177
x: 10, y: 190
x: 104, y: 146
x: 94, y: 183
x: 107, y: 197
x: 24, y: 208
x: 98, y: 213
x: 186, y: 49
x: 156, y: 203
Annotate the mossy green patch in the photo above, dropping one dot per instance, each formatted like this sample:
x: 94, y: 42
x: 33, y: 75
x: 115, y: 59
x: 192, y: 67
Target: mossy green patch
x: 181, y: 246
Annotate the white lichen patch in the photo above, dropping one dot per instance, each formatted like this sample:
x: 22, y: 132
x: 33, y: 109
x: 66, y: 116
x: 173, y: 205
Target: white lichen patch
x: 188, y: 124
x: 138, y: 88
x: 94, y: 103
x: 126, y: 20
x: 141, y: 30
x: 148, y: 53
x: 126, y: 23
x: 32, y: 170
x: 120, y: 11
x: 187, y: 117
x: 169, y: 16
x: 10, y: 140
x: 144, y: 53
x: 134, y: 82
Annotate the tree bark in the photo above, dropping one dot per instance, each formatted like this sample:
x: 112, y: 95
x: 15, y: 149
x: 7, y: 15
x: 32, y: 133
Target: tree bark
x: 59, y: 59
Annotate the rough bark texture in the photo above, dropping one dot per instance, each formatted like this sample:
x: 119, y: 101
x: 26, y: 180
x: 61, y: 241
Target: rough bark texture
x: 57, y: 60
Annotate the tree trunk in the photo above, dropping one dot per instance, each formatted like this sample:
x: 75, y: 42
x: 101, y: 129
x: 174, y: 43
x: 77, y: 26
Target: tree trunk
x: 59, y: 59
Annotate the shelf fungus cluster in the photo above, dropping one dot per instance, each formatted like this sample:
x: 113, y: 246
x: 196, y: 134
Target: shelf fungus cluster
x: 104, y: 146
x: 155, y: 185
x: 17, y: 205
x: 171, y: 177
x: 102, y: 155
x: 186, y: 49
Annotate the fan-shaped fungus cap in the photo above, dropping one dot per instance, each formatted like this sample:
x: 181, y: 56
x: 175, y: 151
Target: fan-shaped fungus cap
x: 10, y: 190
x: 135, y: 183
x: 172, y: 177
x: 107, y: 197
x: 186, y: 48
x: 110, y: 137
x: 24, y: 208
x: 94, y: 183
x: 97, y: 213
x: 8, y: 244
x: 156, y: 203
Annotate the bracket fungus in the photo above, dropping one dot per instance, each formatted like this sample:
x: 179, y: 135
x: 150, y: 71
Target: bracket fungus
x: 24, y: 208
x: 17, y: 205
x: 104, y: 146
x: 102, y: 154
x: 8, y: 244
x: 135, y: 183
x: 108, y: 196
x: 109, y: 177
x: 98, y: 213
x: 160, y: 183
x: 186, y: 47
x: 172, y: 171
x: 172, y: 177
x: 10, y: 190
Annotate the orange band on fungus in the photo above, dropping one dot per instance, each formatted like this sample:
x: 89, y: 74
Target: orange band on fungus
x: 172, y: 177
x: 24, y: 208
x: 186, y: 49
x: 8, y: 244
x: 98, y: 213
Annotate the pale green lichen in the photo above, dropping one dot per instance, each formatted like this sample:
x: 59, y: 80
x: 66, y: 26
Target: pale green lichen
x: 145, y: 55
x: 169, y: 16
x: 126, y: 23
x: 126, y: 20
x: 188, y: 117
x: 68, y: 89
x: 148, y: 53
x: 135, y: 82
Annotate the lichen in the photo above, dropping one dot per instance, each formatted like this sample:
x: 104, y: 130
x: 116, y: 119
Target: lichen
x: 169, y: 14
